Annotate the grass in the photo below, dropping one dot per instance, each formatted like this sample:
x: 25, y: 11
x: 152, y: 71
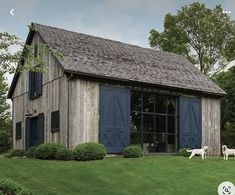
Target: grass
x: 148, y: 175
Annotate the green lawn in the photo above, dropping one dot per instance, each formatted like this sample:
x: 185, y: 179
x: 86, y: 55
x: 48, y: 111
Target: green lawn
x: 148, y: 175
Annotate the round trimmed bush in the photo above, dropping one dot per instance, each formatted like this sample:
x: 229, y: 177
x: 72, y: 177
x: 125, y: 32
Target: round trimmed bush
x: 9, y: 187
x: 183, y: 152
x: 30, y: 152
x: 133, y: 152
x: 89, y: 151
x: 47, y: 151
x: 64, y: 154
x: 16, y: 153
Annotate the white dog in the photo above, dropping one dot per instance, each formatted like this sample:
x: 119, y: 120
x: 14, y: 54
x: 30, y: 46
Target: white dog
x: 201, y: 152
x: 227, y: 152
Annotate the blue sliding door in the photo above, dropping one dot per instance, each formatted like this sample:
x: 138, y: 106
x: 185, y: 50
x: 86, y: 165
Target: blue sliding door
x: 114, y: 118
x: 190, y: 123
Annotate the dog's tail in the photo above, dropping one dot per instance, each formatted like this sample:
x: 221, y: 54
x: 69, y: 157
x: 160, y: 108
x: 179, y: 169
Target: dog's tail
x: 189, y: 150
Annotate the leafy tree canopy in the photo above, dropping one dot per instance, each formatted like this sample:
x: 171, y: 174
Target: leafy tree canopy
x: 13, y: 52
x: 226, y: 81
x: 5, y: 119
x: 205, y: 36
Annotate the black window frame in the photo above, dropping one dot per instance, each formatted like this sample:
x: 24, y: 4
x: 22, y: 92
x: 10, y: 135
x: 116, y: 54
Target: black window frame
x: 154, y: 113
x: 55, y: 128
x: 18, y: 130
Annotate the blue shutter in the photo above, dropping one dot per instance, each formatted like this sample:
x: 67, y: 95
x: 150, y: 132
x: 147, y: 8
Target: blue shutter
x: 27, y: 133
x: 38, y: 83
x: 40, y: 130
x: 30, y: 84
x: 114, y: 118
x: 190, y: 123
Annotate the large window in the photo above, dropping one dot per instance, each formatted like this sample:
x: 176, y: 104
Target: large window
x: 154, y: 121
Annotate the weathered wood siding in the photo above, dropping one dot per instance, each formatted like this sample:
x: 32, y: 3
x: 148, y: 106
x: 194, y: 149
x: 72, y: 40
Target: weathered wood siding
x: 54, y: 97
x: 83, y: 112
x: 211, y: 117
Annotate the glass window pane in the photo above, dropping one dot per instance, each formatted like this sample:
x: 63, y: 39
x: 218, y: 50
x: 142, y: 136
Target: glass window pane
x: 171, y: 124
x: 160, y: 124
x: 161, y: 142
x: 148, y: 125
x: 135, y: 121
x: 135, y: 101
x: 148, y: 102
x: 148, y: 138
x: 149, y: 142
x: 135, y: 138
x: 171, y: 105
x: 171, y: 143
x: 171, y: 139
x: 160, y: 104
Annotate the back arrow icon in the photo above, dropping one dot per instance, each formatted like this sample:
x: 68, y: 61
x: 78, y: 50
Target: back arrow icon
x: 11, y: 12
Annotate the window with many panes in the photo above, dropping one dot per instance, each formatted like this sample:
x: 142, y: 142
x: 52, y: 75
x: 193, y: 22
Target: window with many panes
x: 154, y: 121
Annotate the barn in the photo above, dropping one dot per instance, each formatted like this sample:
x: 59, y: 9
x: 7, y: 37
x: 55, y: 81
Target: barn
x: 113, y: 93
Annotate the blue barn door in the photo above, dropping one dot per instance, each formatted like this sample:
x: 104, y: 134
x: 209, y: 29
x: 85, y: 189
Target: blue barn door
x: 190, y: 123
x: 114, y: 118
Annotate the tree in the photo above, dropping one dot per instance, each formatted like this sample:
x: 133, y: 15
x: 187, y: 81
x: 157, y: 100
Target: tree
x: 226, y: 81
x: 10, y: 52
x: 13, y: 52
x: 206, y: 37
x: 5, y: 119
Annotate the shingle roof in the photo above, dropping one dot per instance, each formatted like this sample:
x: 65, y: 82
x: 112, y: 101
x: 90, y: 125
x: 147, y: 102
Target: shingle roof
x: 101, y: 57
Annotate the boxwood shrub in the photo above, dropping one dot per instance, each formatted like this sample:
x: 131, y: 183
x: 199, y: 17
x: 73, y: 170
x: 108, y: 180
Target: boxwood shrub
x: 9, y: 187
x: 16, y: 153
x: 64, y: 154
x: 89, y: 151
x: 30, y: 152
x: 183, y: 152
x: 47, y: 151
x: 133, y: 152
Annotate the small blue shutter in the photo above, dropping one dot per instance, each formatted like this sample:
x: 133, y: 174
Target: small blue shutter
x: 30, y: 84
x: 40, y: 130
x: 38, y: 83
x: 114, y: 118
x: 190, y: 123
x: 27, y: 133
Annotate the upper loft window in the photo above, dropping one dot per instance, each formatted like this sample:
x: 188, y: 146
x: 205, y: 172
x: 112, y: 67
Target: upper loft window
x: 35, y: 84
x: 35, y: 78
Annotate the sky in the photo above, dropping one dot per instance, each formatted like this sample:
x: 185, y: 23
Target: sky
x: 127, y: 21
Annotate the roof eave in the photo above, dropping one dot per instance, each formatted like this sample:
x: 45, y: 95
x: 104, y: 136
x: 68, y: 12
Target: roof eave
x: 203, y: 93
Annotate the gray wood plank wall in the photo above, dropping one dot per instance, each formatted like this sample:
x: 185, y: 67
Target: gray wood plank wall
x: 53, y: 98
x: 83, y: 112
x: 211, y: 117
